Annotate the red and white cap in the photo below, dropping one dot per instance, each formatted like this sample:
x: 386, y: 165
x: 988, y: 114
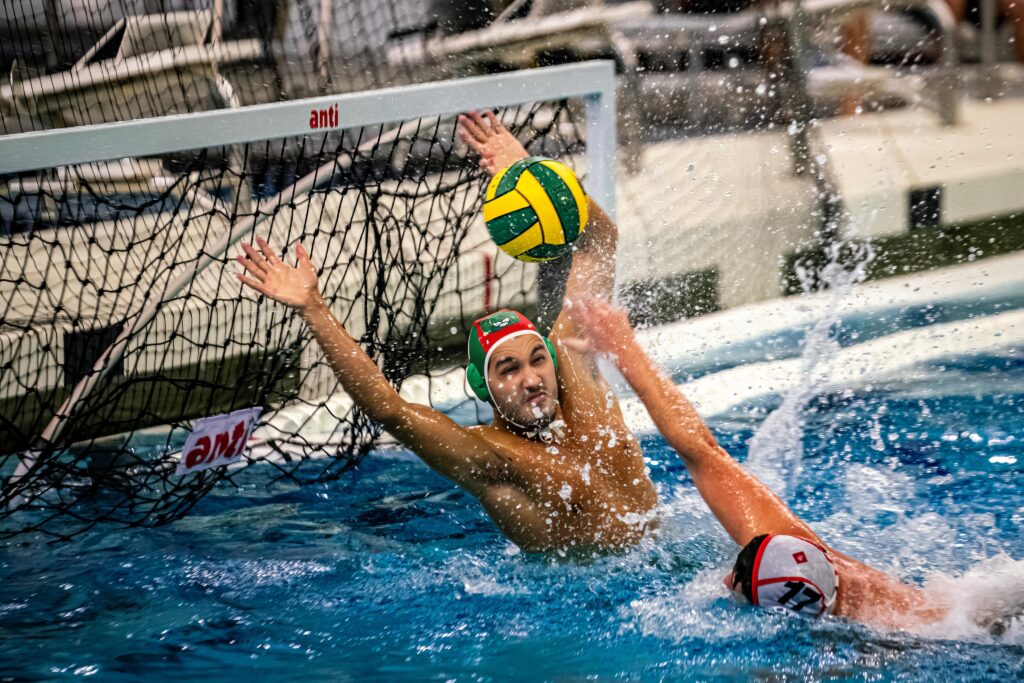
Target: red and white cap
x: 794, y: 574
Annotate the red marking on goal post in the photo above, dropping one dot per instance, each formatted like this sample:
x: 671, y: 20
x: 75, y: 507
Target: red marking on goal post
x: 323, y: 118
x: 488, y: 277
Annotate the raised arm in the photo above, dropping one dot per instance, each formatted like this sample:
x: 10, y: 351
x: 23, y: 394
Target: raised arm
x: 593, y: 267
x: 446, y: 447
x: 593, y: 263
x: 744, y: 506
x: 583, y: 390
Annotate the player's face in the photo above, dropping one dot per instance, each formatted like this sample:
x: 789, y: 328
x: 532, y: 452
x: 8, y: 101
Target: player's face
x: 522, y: 381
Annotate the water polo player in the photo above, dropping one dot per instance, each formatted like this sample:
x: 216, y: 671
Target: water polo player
x: 557, y: 469
x: 783, y: 564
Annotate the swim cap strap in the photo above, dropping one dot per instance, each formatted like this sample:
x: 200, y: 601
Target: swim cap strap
x: 757, y: 566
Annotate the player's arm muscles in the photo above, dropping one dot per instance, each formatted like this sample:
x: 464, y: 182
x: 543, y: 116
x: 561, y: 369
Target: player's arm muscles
x: 743, y: 505
x: 448, y: 448
x: 592, y: 275
x: 585, y: 392
x: 593, y: 263
x: 445, y: 446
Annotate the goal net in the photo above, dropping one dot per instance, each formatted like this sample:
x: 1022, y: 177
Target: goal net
x: 95, y: 61
x: 121, y: 320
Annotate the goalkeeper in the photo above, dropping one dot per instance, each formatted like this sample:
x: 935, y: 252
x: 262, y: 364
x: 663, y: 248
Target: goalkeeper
x: 557, y: 469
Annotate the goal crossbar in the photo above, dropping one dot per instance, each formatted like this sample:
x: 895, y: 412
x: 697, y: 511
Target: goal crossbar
x: 593, y: 81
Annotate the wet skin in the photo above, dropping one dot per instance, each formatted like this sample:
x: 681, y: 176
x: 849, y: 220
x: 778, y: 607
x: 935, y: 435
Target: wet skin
x: 743, y: 504
x: 588, y: 491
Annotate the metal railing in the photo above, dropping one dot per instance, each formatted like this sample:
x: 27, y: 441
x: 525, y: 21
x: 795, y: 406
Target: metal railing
x: 703, y: 29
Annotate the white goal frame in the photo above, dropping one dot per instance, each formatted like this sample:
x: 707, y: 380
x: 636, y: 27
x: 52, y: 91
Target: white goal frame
x: 592, y: 81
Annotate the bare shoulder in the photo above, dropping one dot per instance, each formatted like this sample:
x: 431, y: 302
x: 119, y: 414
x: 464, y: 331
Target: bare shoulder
x: 871, y: 596
x: 491, y: 434
x: 528, y: 460
x: 515, y: 450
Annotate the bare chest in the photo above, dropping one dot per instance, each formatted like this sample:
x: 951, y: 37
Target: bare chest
x: 581, y: 486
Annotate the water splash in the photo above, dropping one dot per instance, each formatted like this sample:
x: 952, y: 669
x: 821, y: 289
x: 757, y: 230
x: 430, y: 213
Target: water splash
x: 987, y: 602
x: 776, y: 449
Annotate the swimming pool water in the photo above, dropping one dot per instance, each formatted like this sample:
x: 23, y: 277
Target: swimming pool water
x: 392, y: 573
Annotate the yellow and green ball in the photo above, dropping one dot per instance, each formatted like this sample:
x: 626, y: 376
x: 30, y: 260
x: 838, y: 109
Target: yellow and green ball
x: 535, y: 209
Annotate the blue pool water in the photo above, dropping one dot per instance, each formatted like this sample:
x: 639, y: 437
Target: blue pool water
x: 394, y: 574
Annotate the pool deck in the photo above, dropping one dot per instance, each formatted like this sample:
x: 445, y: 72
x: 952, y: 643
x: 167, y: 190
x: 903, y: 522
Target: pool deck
x: 872, y: 362
x: 978, y: 164
x: 731, y: 203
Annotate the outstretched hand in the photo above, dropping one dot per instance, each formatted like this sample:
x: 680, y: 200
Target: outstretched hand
x: 607, y: 328
x: 293, y: 286
x: 487, y: 136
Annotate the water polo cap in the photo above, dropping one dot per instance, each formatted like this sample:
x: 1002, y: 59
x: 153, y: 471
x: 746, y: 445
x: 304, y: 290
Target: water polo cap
x: 794, y: 574
x: 486, y: 334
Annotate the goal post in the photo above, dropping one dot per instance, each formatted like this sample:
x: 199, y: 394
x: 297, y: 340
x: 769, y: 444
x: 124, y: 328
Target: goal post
x: 393, y: 224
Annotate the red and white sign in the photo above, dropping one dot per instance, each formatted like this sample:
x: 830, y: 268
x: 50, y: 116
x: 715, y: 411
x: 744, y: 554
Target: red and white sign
x: 218, y: 440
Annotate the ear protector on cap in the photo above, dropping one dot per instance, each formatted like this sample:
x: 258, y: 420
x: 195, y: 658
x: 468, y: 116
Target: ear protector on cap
x: 478, y: 383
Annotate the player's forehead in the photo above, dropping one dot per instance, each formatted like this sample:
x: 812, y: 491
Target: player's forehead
x: 516, y: 349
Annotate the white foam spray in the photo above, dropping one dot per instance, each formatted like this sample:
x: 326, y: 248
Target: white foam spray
x: 776, y: 449
x: 987, y: 602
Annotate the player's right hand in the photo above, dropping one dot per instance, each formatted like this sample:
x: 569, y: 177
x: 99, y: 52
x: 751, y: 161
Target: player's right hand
x: 294, y: 286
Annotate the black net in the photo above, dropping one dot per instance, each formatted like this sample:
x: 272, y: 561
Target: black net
x: 107, y: 251
x: 69, y: 63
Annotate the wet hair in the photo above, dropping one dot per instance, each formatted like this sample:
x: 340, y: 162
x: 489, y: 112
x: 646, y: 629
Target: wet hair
x: 743, y: 570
